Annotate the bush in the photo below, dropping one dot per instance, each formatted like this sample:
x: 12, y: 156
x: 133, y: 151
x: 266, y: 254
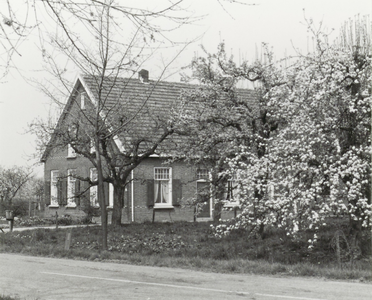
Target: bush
x: 37, y: 221
x: 65, y: 220
x: 19, y: 208
x: 32, y: 221
x: 89, y: 210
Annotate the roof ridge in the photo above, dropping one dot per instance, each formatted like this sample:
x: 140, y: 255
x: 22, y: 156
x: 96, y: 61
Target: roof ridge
x: 184, y: 84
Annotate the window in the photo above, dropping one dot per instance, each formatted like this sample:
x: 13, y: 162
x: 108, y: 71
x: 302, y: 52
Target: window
x: 71, y: 188
x: 70, y: 151
x: 203, y: 194
x: 202, y: 174
x: 163, y: 186
x: 231, y: 192
x: 93, y: 191
x: 82, y: 100
x: 111, y: 195
x: 54, y: 188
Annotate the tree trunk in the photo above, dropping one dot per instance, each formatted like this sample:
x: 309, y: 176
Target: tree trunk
x: 101, y: 198
x: 118, y: 204
x: 355, y: 235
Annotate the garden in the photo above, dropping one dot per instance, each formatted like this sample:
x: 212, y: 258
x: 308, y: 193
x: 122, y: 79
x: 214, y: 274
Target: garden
x: 195, y: 246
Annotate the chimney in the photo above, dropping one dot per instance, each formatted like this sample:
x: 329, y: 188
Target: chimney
x: 143, y: 75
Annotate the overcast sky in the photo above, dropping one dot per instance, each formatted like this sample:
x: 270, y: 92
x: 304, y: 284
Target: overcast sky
x: 243, y: 28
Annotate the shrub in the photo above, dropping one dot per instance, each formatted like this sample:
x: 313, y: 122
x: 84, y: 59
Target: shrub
x: 89, y: 210
x: 65, y: 220
x: 32, y: 221
x: 19, y: 207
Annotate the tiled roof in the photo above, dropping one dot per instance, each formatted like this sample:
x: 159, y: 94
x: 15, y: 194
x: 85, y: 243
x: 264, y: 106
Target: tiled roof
x: 145, y: 105
x: 148, y: 103
x: 142, y: 106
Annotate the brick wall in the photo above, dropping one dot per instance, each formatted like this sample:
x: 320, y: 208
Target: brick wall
x: 58, y: 161
x: 141, y: 211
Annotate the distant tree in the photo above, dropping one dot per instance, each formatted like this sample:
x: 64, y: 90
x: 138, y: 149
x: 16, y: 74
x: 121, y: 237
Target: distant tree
x: 11, y: 182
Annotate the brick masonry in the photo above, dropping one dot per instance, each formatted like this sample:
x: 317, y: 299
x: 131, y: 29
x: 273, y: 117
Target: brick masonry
x: 57, y: 159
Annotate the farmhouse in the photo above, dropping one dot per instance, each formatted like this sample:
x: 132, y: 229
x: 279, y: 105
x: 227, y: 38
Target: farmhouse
x: 134, y: 119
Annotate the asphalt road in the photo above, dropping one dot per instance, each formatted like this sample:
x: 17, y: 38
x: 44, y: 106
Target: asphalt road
x: 49, y: 278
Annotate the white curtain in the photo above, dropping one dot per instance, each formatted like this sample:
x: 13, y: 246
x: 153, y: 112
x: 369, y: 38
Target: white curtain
x: 165, y: 191
x: 161, y: 189
x: 157, y: 191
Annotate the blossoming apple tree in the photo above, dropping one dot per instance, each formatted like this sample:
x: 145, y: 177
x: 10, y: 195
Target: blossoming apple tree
x: 318, y: 161
x: 304, y: 153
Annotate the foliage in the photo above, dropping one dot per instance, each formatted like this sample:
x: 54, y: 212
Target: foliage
x: 318, y: 162
x: 216, y: 118
x: 304, y: 153
x: 33, y: 221
x: 64, y: 220
x: 89, y: 210
x: 20, y: 208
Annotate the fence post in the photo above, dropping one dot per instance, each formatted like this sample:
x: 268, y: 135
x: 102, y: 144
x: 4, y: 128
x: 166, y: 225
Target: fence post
x: 68, y: 240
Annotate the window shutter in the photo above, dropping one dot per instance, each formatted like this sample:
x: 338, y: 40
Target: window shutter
x: 85, y: 196
x: 106, y: 190
x: 47, y: 193
x: 59, y: 192
x: 77, y: 192
x: 64, y: 192
x: 177, y: 192
x: 150, y: 193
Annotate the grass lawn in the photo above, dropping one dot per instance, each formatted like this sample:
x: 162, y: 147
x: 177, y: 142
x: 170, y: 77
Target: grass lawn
x: 193, y: 246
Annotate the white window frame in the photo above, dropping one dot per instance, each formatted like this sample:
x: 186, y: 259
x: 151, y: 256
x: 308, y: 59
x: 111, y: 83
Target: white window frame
x: 111, y: 195
x: 93, y: 190
x: 71, y: 201
x: 203, y: 175
x: 70, y: 151
x: 54, y: 175
x: 158, y: 177
x: 82, y: 100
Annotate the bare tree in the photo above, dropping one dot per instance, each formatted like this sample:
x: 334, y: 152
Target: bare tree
x: 105, y: 41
